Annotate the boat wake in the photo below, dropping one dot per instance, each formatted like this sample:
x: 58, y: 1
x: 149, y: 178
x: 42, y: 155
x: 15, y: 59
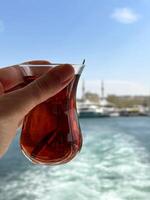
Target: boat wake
x: 113, y: 165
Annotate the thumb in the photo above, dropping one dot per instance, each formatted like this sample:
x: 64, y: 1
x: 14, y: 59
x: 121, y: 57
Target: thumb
x: 40, y: 90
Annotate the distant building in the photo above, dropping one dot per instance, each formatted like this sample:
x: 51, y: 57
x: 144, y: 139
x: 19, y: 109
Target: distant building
x: 103, y: 99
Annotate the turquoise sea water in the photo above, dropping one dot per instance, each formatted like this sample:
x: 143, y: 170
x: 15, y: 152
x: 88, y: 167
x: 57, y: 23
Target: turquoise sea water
x: 114, y: 164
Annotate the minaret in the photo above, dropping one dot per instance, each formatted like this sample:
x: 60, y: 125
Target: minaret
x: 102, y: 91
x: 83, y: 90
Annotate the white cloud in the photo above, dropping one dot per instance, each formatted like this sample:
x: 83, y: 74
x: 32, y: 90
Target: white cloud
x: 125, y: 15
x: 1, y: 26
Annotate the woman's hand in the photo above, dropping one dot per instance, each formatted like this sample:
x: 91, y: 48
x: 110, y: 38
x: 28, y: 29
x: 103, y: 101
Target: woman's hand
x: 16, y: 104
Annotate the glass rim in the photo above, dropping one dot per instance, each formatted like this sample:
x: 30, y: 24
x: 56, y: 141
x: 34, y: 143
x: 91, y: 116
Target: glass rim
x: 27, y: 71
x: 47, y: 65
x: 51, y: 64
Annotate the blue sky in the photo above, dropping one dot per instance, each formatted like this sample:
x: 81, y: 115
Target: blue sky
x: 112, y: 35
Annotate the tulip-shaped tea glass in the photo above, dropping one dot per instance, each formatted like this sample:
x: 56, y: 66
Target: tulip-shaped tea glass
x: 51, y: 132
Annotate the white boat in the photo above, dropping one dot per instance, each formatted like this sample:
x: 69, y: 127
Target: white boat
x: 108, y: 108
x: 87, y: 109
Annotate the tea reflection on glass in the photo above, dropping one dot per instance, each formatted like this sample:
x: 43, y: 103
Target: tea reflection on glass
x: 51, y: 132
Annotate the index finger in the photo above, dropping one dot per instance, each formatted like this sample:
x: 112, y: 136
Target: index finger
x: 12, y: 76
